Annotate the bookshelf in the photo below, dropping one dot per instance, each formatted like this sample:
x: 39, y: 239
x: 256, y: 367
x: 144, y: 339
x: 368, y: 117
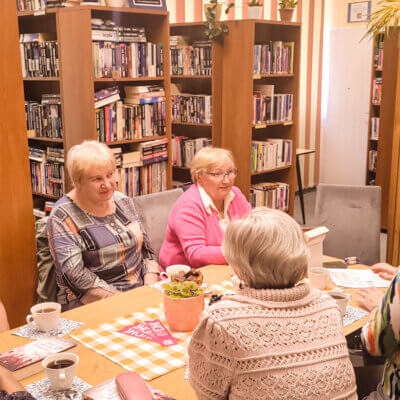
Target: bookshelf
x: 374, y: 110
x: 237, y: 83
x: 77, y: 84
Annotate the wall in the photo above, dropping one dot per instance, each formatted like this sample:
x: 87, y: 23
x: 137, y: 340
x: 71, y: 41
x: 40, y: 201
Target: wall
x: 310, y: 13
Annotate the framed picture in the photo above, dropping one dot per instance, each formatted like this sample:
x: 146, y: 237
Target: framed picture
x: 359, y: 11
x: 148, y: 4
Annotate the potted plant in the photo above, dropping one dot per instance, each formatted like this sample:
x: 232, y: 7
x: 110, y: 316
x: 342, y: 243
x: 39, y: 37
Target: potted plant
x: 183, y: 305
x: 286, y: 8
x: 254, y: 11
x: 387, y: 15
x: 212, y: 12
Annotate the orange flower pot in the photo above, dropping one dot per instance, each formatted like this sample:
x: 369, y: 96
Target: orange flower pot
x: 286, y: 14
x: 183, y: 315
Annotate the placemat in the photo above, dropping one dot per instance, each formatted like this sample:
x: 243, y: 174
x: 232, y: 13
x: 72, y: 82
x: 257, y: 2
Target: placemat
x: 149, y: 359
x: 40, y: 390
x: 353, y: 314
x: 64, y: 327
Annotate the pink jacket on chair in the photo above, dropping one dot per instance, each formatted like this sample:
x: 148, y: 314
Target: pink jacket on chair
x: 193, y: 236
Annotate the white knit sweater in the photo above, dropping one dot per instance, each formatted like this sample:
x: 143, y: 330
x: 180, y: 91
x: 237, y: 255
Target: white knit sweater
x: 269, y: 345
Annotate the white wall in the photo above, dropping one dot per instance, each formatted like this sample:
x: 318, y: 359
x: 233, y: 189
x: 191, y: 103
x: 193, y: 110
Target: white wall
x: 345, y: 105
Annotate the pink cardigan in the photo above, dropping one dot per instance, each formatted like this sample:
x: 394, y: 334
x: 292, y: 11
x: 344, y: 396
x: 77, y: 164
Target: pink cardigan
x: 193, y: 236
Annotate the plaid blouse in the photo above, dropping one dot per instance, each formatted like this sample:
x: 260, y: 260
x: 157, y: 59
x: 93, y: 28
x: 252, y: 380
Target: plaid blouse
x: 381, y: 337
x: 15, y: 396
x: 92, y: 251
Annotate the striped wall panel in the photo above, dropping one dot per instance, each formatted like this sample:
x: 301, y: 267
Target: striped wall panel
x: 311, y: 14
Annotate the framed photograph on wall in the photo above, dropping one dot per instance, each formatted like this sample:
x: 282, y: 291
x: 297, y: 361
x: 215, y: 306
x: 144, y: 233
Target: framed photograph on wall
x: 149, y: 4
x: 359, y: 11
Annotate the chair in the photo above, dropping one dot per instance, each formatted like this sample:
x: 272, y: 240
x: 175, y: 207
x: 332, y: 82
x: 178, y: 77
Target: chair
x: 352, y: 214
x: 154, y: 210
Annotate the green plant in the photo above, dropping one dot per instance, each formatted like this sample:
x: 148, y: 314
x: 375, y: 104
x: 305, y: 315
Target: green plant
x: 288, y: 3
x: 213, y: 31
x: 386, y: 16
x: 182, y: 290
x: 255, y: 3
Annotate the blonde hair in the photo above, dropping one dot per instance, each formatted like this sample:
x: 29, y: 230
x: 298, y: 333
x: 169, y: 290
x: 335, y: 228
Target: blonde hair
x: 267, y: 249
x: 209, y: 158
x: 88, y: 155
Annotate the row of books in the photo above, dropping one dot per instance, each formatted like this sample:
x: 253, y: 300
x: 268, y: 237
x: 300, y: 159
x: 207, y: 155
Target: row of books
x: 378, y: 53
x: 141, y: 114
x: 39, y: 59
x: 374, y: 128
x: 48, y: 206
x: 184, y: 149
x: 372, y: 156
x: 270, y: 107
x: 191, y: 60
x: 270, y: 154
x: 135, y: 60
x: 47, y: 170
x: 270, y: 194
x: 273, y: 58
x: 31, y: 5
x: 109, y: 31
x: 377, y: 90
x: 192, y: 108
x: 45, y: 118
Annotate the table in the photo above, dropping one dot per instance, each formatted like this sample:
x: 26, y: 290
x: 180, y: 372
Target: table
x: 301, y: 152
x: 94, y: 368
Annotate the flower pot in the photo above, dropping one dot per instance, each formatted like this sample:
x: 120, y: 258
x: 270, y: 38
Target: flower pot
x: 218, y: 10
x: 183, y: 315
x: 254, y: 12
x: 286, y: 14
x: 115, y: 3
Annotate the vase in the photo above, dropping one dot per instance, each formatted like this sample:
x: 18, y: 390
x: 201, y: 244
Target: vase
x: 218, y: 10
x: 183, y: 315
x: 286, y: 14
x: 254, y: 12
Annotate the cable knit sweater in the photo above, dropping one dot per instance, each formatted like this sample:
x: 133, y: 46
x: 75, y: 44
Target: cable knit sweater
x: 272, y: 344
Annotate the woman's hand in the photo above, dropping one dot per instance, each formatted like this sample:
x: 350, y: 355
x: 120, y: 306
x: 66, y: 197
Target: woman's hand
x: 384, y: 270
x: 150, y: 278
x: 8, y: 382
x: 369, y: 298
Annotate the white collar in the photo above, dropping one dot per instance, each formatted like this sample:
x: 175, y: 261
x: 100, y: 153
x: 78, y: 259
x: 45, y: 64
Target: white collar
x: 209, y: 204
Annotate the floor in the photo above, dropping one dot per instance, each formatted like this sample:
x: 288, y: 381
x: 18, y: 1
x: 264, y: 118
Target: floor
x: 309, y: 203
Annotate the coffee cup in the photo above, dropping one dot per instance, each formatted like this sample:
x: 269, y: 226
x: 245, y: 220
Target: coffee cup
x: 45, y: 316
x: 341, y: 298
x: 319, y: 277
x: 60, y: 370
x: 173, y: 270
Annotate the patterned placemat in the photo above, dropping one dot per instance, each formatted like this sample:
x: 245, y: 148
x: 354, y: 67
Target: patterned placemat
x: 149, y: 359
x: 64, y: 327
x: 40, y: 390
x: 353, y: 314
x: 224, y: 287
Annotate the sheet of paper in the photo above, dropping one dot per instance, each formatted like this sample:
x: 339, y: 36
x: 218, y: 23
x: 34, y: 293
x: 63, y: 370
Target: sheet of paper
x: 357, y: 278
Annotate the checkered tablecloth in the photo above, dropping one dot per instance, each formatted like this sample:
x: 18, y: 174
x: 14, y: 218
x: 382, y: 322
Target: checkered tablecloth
x: 149, y: 359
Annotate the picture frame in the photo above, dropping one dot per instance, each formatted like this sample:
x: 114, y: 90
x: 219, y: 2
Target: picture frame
x: 359, y: 11
x: 159, y: 5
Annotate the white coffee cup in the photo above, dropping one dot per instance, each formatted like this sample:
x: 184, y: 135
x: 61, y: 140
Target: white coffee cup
x: 60, y: 378
x: 319, y: 277
x: 173, y: 270
x: 341, y: 298
x: 45, y: 316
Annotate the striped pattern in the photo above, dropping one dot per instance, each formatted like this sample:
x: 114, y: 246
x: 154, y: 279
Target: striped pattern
x: 311, y: 14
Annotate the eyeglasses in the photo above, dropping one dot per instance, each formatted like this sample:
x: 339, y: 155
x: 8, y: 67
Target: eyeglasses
x: 232, y: 173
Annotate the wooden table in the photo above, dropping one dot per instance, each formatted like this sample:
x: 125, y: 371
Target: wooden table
x: 94, y: 368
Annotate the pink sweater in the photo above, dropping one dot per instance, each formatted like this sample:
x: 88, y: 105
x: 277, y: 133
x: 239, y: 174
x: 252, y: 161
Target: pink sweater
x: 193, y: 236
x: 271, y: 345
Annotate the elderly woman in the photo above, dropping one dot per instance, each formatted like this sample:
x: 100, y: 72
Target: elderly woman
x: 198, y: 220
x: 96, y: 237
x: 275, y: 338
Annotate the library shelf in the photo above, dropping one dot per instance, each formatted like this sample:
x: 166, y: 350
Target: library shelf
x: 46, y: 139
x: 140, y: 140
x: 191, y: 77
x: 262, y: 126
x: 267, y: 171
x: 41, y: 79
x: 36, y: 13
x: 130, y: 79
x: 181, y: 168
x: 47, y: 196
x: 190, y: 124
x: 261, y: 76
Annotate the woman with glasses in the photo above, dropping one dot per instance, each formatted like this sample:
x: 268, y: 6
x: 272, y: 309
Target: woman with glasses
x: 198, y: 220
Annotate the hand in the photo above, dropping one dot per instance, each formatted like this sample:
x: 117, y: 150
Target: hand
x: 369, y: 298
x: 8, y: 382
x: 150, y: 278
x: 384, y: 270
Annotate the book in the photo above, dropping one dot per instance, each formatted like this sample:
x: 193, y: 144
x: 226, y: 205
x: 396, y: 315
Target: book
x: 25, y: 360
x: 108, y: 391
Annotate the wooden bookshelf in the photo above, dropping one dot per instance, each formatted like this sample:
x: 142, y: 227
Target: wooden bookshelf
x: 76, y: 83
x: 237, y: 80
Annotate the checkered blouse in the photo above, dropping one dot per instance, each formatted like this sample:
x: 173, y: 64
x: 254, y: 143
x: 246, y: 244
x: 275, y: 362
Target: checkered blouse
x: 92, y: 251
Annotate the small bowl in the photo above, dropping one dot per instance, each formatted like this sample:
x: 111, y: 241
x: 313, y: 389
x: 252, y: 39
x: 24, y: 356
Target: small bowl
x: 319, y: 277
